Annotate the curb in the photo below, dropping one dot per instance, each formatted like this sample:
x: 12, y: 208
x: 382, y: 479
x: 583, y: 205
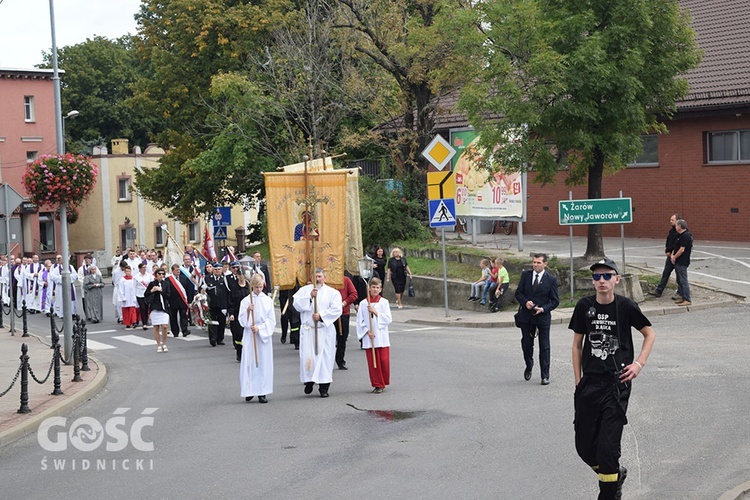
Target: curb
x: 70, y: 403
x: 737, y: 493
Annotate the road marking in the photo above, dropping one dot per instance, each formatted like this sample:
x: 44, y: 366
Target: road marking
x: 724, y: 257
x: 713, y: 276
x: 421, y: 329
x: 191, y: 338
x: 102, y: 331
x: 133, y: 339
x: 98, y: 346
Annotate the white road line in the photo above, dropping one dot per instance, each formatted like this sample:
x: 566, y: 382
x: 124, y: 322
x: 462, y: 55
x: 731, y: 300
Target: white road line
x: 133, y: 339
x: 421, y: 329
x: 102, y: 331
x: 98, y: 346
x: 190, y: 338
x: 713, y: 276
x: 724, y: 257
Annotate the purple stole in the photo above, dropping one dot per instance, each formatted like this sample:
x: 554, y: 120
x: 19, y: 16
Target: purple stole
x: 72, y: 288
x: 45, y: 275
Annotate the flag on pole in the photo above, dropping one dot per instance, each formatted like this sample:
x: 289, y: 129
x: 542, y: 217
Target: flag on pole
x: 172, y: 253
x: 208, y: 245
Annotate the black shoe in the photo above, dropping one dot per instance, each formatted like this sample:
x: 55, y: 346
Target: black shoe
x: 308, y: 387
x: 213, y: 344
x: 185, y: 334
x: 655, y: 294
x: 527, y: 374
x: 220, y: 343
x: 262, y: 399
x: 621, y: 479
x: 342, y: 366
x: 283, y: 339
x: 323, y: 394
x: 176, y: 334
x: 239, y: 356
x: 545, y: 381
x: 248, y: 398
x: 296, y: 348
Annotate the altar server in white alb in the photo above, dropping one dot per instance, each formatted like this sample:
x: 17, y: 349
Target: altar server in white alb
x: 258, y: 320
x: 373, y: 319
x: 319, y: 306
x: 33, y: 292
x: 56, y: 276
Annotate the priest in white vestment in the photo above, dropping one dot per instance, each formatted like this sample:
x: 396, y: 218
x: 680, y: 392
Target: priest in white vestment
x: 258, y: 320
x: 317, y: 368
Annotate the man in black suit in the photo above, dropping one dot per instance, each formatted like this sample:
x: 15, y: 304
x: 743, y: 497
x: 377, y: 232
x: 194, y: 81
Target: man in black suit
x: 260, y: 267
x: 537, y: 297
x: 217, y: 286
x: 181, y: 293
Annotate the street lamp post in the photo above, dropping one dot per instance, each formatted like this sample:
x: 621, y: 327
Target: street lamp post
x: 71, y: 114
x: 65, y: 271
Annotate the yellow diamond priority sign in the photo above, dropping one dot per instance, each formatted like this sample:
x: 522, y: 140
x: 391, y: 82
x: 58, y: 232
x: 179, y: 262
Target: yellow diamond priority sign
x: 439, y: 152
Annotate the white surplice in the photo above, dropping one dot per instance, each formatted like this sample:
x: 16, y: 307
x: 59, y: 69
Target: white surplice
x: 55, y: 274
x: 379, y: 324
x: 317, y: 368
x: 257, y: 381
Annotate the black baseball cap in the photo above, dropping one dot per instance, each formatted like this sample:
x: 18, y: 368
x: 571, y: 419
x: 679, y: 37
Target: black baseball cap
x: 605, y: 262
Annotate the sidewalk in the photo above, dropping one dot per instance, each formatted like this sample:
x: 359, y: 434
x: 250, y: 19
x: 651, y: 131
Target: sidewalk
x: 43, y: 404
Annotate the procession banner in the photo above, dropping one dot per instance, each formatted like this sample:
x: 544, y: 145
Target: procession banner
x: 477, y: 193
x: 295, y: 228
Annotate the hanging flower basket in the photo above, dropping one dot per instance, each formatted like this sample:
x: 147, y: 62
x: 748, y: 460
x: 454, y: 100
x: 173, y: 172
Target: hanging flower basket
x: 71, y: 212
x: 54, y: 179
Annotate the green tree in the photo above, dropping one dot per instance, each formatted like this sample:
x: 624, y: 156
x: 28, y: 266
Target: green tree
x: 98, y: 82
x: 415, y: 43
x: 581, y: 80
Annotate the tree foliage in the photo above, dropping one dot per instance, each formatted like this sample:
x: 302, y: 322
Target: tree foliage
x: 98, y: 82
x: 388, y: 216
x: 588, y: 77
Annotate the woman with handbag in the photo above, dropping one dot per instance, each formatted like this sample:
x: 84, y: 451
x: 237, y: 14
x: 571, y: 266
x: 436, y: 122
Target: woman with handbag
x: 157, y: 298
x: 398, y: 270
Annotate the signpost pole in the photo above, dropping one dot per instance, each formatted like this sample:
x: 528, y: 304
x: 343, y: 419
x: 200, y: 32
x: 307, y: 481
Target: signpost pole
x: 570, y: 197
x: 622, y: 242
x: 445, y: 273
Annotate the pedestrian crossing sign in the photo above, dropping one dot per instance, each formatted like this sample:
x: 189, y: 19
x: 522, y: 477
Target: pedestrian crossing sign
x: 442, y: 212
x: 220, y: 232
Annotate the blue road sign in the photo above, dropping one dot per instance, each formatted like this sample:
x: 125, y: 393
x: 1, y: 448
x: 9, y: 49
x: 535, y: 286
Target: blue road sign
x: 222, y: 216
x: 220, y: 232
x: 442, y: 212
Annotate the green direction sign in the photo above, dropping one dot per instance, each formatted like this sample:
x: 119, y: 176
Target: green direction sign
x: 598, y: 211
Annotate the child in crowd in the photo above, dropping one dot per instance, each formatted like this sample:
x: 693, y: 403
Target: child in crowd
x: 491, y: 284
x: 479, y: 285
x: 503, y: 282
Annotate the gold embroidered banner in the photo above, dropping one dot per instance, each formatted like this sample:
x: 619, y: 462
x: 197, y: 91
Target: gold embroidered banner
x: 299, y: 231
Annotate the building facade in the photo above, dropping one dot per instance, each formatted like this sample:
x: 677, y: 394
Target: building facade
x: 27, y: 130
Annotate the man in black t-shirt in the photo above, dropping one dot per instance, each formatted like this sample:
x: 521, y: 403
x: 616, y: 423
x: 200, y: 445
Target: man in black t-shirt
x: 681, y: 260
x: 604, y: 365
x: 668, y: 249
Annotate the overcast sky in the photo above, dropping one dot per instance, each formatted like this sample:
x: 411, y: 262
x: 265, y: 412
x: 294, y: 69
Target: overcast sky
x: 25, y: 26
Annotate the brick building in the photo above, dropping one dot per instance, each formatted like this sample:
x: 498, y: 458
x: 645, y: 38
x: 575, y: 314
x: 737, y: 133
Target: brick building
x: 700, y: 169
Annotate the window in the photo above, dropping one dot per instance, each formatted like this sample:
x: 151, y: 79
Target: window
x: 46, y: 232
x: 31, y: 156
x: 730, y: 146
x: 161, y: 235
x: 650, y: 154
x: 194, y: 231
x: 28, y: 108
x: 123, y: 188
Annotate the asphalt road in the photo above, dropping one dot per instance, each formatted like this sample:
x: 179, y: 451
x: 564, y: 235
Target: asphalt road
x: 458, y: 421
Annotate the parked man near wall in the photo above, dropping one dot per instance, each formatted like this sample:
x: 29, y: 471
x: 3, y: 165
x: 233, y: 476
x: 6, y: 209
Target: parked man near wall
x: 537, y: 297
x: 681, y: 260
x: 668, y: 249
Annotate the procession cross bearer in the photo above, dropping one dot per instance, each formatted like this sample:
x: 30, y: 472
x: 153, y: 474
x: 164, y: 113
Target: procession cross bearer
x: 316, y: 367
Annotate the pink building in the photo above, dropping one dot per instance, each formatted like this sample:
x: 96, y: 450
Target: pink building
x: 27, y: 130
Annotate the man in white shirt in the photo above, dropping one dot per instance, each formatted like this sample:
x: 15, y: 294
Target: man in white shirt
x: 319, y: 306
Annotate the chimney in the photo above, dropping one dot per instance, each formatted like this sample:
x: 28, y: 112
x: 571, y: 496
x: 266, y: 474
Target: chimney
x: 119, y: 146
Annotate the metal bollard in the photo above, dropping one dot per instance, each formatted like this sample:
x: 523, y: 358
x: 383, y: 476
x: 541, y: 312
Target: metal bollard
x: 57, y: 391
x: 84, y: 347
x: 2, y: 310
x: 76, y: 356
x: 24, y: 380
x: 23, y: 316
